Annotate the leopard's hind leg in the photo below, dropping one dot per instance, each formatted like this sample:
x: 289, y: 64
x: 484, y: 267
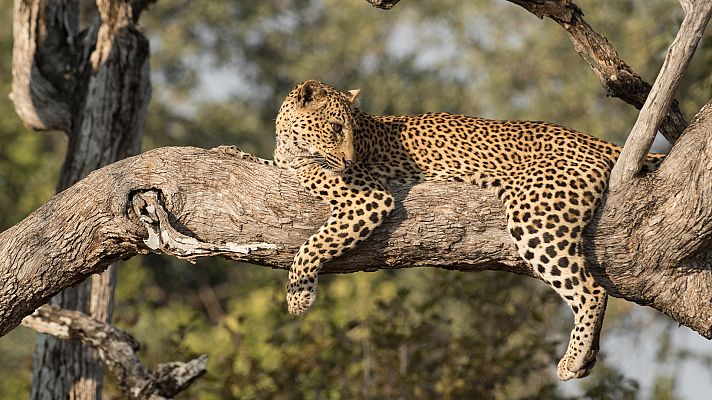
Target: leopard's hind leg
x: 548, y: 229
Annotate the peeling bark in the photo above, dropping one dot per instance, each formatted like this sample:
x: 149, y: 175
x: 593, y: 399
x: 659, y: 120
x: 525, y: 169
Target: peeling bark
x: 649, y: 243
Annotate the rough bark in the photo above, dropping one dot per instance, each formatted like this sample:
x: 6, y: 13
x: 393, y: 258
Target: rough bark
x: 652, y: 228
x: 678, y: 57
x: 617, y: 78
x: 218, y: 198
x: 117, y: 349
x: 639, y: 248
x: 649, y: 243
x: 94, y: 86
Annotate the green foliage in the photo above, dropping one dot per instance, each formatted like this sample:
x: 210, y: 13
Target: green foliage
x: 664, y: 389
x: 221, y: 69
x: 371, y: 336
x: 609, y: 384
x: 16, y: 354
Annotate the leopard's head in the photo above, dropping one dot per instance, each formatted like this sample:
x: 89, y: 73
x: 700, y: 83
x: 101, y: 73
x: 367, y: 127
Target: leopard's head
x: 315, y: 124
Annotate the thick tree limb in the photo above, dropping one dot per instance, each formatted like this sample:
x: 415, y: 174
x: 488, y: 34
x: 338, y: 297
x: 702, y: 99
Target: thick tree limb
x: 616, y: 77
x: 678, y: 57
x: 117, y: 349
x: 650, y: 244
x: 651, y: 227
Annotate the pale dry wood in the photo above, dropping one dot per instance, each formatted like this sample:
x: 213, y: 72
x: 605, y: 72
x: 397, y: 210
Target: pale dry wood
x: 496, y: 260
x: 653, y: 227
x: 649, y: 244
x: 117, y: 349
x: 677, y: 59
x: 686, y: 5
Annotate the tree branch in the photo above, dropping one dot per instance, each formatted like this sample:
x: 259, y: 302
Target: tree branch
x: 649, y: 244
x: 117, y: 349
x: 616, y: 77
x: 678, y: 57
x: 654, y: 228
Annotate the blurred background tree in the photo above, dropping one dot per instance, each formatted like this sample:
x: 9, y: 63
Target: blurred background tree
x: 221, y: 68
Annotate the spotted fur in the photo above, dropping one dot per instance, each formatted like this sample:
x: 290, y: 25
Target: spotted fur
x: 549, y: 178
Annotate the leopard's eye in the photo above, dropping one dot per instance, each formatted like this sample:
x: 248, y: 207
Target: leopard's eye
x: 336, y: 127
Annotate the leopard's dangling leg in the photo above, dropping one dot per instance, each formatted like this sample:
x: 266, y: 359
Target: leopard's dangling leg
x: 551, y: 242
x: 359, y: 204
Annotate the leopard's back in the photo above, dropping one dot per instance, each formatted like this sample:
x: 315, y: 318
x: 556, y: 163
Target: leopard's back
x: 549, y: 178
x: 443, y: 146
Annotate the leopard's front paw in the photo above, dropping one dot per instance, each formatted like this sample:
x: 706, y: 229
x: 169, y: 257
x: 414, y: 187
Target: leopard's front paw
x: 301, y: 295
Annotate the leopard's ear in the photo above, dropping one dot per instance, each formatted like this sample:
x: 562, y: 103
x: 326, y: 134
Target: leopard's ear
x: 351, y: 95
x: 311, y: 94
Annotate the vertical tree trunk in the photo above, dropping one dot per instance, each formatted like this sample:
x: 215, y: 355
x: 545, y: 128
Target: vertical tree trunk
x: 94, y: 85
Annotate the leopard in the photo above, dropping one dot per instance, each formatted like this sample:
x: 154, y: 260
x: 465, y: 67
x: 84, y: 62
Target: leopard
x: 549, y: 178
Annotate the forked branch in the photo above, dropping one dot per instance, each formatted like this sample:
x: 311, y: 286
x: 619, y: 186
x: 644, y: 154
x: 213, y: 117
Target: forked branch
x: 117, y: 349
x: 678, y: 58
x: 616, y: 76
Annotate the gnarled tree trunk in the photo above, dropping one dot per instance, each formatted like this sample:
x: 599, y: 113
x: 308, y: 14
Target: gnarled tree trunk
x: 94, y: 86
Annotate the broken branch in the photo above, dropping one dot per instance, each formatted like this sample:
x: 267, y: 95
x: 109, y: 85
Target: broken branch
x: 117, y: 349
